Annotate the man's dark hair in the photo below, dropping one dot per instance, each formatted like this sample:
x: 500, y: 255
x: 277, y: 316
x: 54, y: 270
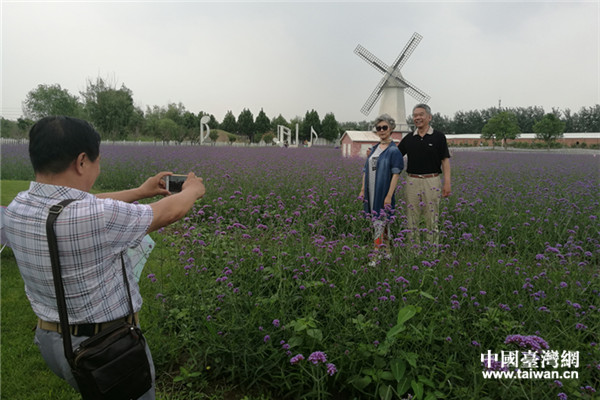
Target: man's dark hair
x: 55, y: 142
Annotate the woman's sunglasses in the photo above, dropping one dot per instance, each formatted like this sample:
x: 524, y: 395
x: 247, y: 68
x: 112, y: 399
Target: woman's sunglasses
x: 381, y: 128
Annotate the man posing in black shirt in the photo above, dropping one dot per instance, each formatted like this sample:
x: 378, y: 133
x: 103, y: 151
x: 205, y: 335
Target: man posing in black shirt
x: 428, y: 157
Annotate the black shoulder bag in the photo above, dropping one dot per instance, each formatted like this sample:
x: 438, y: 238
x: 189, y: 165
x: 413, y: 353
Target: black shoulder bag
x: 113, y: 363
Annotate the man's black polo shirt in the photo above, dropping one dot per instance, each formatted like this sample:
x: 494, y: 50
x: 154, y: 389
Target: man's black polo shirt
x: 425, y: 154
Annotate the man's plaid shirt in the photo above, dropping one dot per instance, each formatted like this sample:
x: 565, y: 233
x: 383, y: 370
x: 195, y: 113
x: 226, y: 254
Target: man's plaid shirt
x: 92, y: 234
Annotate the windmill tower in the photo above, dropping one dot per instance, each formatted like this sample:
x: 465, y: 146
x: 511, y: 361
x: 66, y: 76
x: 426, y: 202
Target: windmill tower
x: 392, y: 86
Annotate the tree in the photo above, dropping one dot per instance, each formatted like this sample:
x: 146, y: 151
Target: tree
x: 24, y: 124
x: 8, y: 128
x: 110, y: 109
x: 169, y: 130
x: 137, y: 122
x: 588, y: 119
x: 232, y: 138
x: 330, y: 129
x: 47, y: 100
x: 460, y: 123
x: 262, y: 123
x: 213, y: 135
x: 442, y: 123
x: 176, y: 113
x: 229, y: 123
x: 527, y: 116
x: 549, y: 129
x: 246, y: 124
x: 279, y: 120
x: 310, y: 119
x: 152, y: 118
x: 502, y: 126
x: 268, y: 137
x: 354, y: 126
x: 191, y: 123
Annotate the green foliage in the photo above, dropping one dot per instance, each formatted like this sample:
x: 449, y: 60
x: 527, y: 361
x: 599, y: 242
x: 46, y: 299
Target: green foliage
x: 229, y: 123
x: 109, y: 109
x: 47, y: 100
x: 231, y: 137
x: 330, y: 129
x: 8, y: 129
x: 268, y: 137
x: 213, y: 135
x: 310, y: 119
x: 502, y: 126
x: 355, y: 126
x: 52, y: 100
x: 526, y: 116
x: 246, y: 125
x: 262, y: 123
x: 549, y: 128
x: 468, y: 122
x: 169, y: 130
x: 442, y: 123
x: 279, y: 120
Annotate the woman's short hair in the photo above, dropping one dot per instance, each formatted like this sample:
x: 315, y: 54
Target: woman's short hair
x: 55, y: 142
x: 385, y: 118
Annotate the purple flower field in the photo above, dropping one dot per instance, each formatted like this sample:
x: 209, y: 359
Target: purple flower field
x: 274, y: 263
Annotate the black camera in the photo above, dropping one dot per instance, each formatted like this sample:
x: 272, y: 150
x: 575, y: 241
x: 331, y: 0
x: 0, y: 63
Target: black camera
x: 175, y: 182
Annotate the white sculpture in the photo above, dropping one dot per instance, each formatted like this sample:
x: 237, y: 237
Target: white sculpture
x: 204, y: 123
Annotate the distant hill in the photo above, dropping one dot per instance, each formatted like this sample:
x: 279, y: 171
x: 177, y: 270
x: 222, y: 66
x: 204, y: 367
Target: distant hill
x: 224, y: 136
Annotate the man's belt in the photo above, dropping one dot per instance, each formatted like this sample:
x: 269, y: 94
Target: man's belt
x: 85, y: 329
x: 423, y: 175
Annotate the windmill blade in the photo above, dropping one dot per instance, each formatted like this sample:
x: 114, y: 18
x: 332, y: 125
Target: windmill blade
x: 371, y: 59
x: 407, y: 51
x: 366, y: 109
x: 411, y: 89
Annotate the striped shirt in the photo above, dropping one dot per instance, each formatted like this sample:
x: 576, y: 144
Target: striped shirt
x: 92, y: 234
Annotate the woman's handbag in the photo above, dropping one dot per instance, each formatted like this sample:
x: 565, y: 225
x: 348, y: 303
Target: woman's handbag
x: 111, y: 364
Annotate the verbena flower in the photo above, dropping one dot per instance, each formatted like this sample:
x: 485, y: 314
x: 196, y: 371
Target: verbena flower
x: 331, y: 369
x: 532, y: 342
x: 317, y: 356
x: 296, y: 359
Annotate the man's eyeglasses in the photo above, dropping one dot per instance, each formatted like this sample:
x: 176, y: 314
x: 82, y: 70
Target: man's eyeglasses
x: 382, y: 128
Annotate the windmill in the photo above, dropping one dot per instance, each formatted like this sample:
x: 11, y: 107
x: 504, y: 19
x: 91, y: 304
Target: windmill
x: 392, y: 86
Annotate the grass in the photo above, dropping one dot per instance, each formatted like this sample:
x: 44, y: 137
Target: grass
x: 17, y: 349
x: 20, y: 359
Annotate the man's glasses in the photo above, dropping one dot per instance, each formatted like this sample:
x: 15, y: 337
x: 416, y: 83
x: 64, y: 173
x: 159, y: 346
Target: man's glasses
x: 381, y: 128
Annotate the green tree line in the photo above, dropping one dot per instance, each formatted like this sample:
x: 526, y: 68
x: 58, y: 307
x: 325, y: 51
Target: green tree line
x: 587, y: 119
x: 112, y: 111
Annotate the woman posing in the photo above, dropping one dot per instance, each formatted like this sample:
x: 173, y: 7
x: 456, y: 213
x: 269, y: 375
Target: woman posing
x: 380, y: 179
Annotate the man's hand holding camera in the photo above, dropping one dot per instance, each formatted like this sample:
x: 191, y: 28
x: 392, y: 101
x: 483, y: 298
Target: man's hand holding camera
x: 195, y: 183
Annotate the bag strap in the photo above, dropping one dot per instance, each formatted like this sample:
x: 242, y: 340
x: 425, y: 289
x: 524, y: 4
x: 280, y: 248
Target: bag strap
x: 63, y: 316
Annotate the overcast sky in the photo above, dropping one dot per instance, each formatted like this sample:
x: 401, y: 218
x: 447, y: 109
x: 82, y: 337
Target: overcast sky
x: 291, y: 57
